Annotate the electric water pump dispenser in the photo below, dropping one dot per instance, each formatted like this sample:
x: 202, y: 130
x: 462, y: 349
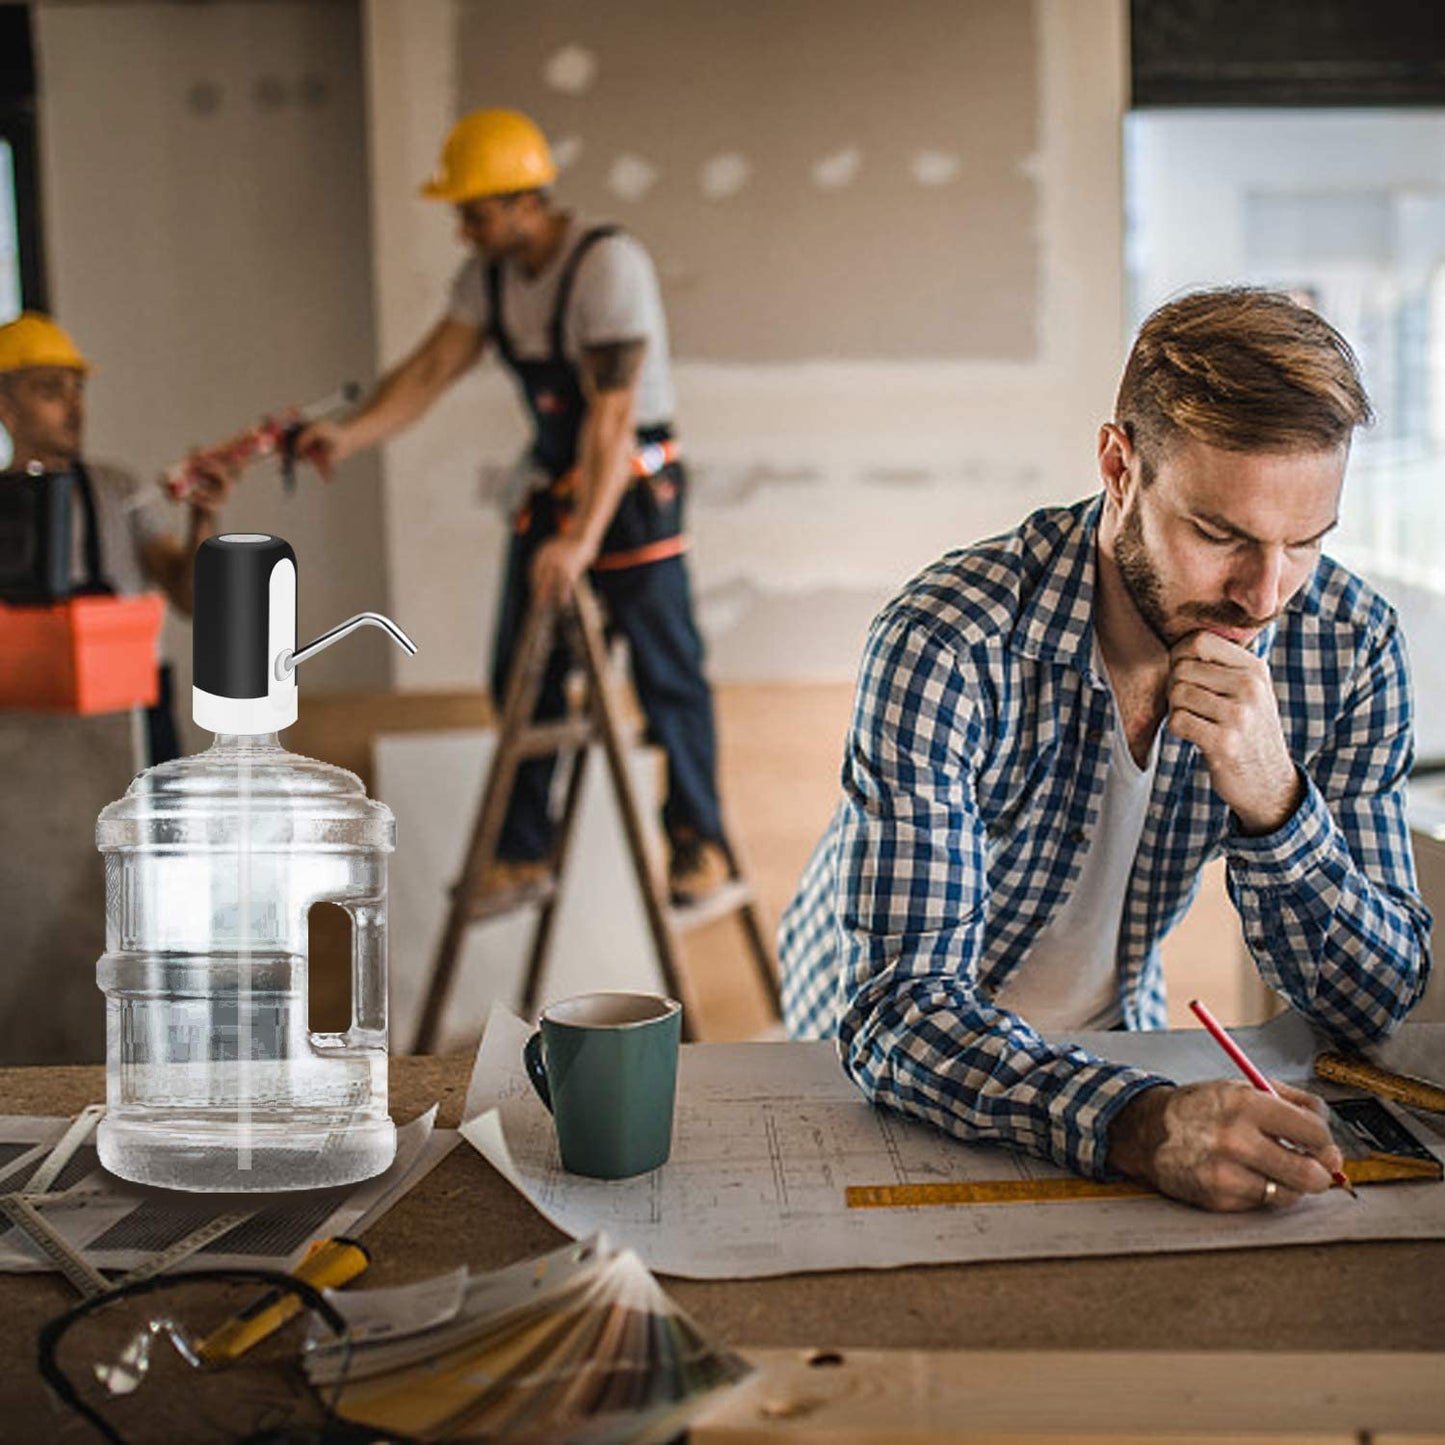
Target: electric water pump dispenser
x: 214, y: 1078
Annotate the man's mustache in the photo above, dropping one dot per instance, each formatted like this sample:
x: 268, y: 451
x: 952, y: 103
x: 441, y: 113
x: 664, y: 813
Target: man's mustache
x: 1227, y: 615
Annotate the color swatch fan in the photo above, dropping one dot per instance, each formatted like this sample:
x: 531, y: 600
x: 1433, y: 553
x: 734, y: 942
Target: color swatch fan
x: 579, y: 1346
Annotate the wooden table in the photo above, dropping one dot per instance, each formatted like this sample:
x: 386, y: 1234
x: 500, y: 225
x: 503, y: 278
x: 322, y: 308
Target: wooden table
x: 1362, y: 1313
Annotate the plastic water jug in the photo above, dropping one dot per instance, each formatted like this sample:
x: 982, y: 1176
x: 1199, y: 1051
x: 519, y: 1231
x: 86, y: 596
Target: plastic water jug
x: 214, y: 1078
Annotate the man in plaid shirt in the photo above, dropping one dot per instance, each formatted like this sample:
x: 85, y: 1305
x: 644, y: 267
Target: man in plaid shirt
x: 1056, y: 729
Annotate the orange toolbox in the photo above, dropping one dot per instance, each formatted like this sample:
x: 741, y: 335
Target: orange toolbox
x: 86, y: 655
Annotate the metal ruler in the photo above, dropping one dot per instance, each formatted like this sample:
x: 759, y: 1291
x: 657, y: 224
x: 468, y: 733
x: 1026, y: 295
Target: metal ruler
x: 1372, y: 1169
x: 81, y: 1128
x: 78, y: 1270
x: 1361, y: 1074
x: 193, y: 1243
x: 21, y: 1210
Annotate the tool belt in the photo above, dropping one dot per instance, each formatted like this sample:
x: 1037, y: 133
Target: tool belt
x: 647, y: 526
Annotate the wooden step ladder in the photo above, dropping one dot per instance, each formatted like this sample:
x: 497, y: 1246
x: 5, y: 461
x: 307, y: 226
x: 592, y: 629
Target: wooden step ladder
x: 593, y: 718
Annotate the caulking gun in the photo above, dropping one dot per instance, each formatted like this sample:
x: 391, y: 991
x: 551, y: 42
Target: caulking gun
x: 272, y: 436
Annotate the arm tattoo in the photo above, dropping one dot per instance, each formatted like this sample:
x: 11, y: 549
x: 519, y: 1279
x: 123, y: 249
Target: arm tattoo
x: 613, y: 367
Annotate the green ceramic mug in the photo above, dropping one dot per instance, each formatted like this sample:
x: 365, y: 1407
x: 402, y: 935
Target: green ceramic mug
x: 605, y: 1065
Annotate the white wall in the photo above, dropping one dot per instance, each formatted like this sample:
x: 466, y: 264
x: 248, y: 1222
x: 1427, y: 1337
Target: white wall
x: 819, y: 486
x: 205, y: 184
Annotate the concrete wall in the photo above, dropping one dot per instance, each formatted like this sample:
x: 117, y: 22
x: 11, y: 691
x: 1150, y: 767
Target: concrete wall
x: 205, y: 189
x: 809, y: 187
x: 825, y: 470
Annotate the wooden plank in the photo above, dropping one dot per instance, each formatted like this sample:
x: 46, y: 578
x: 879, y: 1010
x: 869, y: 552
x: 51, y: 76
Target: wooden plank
x: 855, y: 1396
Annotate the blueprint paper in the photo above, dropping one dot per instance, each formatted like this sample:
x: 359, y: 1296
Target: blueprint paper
x: 768, y: 1136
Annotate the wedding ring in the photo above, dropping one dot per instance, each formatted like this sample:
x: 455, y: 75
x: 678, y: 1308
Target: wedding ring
x: 1270, y: 1190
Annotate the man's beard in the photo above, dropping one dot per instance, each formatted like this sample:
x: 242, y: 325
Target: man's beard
x: 1146, y: 591
x: 1140, y: 577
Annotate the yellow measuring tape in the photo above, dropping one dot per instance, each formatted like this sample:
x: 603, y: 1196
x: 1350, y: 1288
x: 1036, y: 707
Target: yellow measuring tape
x: 991, y: 1191
x: 1361, y: 1074
x: 1372, y: 1169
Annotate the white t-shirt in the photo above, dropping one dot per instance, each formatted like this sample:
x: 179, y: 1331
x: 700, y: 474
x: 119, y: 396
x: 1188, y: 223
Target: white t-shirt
x: 1069, y: 979
x: 615, y: 297
x: 128, y: 513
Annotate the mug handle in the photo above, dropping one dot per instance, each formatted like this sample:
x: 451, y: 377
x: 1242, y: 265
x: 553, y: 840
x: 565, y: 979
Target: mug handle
x: 536, y: 1069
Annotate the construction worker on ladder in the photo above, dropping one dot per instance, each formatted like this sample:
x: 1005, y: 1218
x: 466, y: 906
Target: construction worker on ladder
x: 574, y: 312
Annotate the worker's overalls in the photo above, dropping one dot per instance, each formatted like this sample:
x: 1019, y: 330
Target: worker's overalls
x: 162, y: 740
x: 639, y: 575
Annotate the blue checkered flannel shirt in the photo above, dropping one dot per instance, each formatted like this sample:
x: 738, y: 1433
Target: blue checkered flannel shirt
x: 972, y: 777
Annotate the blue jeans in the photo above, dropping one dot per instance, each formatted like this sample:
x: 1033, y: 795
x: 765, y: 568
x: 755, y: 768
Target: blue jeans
x: 651, y: 606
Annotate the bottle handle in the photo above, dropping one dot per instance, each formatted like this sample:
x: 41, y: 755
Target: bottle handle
x: 367, y: 1033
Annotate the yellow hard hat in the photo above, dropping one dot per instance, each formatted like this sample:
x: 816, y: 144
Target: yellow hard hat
x: 491, y: 153
x: 35, y: 340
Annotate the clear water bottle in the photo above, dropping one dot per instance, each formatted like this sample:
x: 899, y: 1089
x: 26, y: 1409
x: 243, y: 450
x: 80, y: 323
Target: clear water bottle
x: 214, y: 1078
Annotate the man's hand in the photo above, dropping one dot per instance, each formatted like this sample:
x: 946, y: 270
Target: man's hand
x: 1218, y: 1145
x: 557, y: 567
x: 214, y: 479
x: 164, y: 558
x: 325, y: 444
x: 1221, y: 699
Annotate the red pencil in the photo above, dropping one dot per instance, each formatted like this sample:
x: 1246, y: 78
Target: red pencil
x: 1246, y: 1067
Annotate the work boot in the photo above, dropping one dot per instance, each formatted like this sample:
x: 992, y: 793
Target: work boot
x: 506, y: 874
x: 699, y: 867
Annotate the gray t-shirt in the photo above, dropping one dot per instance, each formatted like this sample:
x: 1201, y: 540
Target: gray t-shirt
x: 129, y: 513
x: 615, y: 297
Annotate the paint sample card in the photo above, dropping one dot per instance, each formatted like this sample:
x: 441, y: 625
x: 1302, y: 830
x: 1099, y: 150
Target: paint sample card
x: 581, y: 1344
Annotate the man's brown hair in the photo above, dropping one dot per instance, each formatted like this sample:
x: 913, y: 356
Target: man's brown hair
x: 1240, y: 368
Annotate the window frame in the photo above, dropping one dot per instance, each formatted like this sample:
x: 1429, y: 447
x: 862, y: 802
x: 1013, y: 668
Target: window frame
x: 19, y: 128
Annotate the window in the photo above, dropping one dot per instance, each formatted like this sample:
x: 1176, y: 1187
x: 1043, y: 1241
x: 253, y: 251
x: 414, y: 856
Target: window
x: 10, y: 303
x: 1345, y: 208
x: 22, y: 273
x: 1301, y: 145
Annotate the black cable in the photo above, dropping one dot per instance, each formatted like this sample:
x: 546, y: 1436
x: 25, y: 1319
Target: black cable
x: 48, y: 1341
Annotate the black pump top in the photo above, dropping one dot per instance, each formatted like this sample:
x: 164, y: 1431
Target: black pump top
x: 231, y: 630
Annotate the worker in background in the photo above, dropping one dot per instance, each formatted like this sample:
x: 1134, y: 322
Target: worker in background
x: 1056, y: 729
x: 57, y: 771
x: 574, y: 312
x: 42, y: 408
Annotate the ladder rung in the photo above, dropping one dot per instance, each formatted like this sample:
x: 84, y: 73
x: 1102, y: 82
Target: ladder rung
x: 541, y: 740
x: 729, y: 898
x: 507, y: 900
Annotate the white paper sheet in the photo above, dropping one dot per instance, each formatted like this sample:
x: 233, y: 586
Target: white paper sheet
x: 768, y: 1136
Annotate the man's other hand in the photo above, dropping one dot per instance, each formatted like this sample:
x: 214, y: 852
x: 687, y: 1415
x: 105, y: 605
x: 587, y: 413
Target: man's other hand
x: 1221, y: 698
x: 557, y: 567
x: 213, y: 479
x: 325, y: 444
x: 1219, y: 1145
